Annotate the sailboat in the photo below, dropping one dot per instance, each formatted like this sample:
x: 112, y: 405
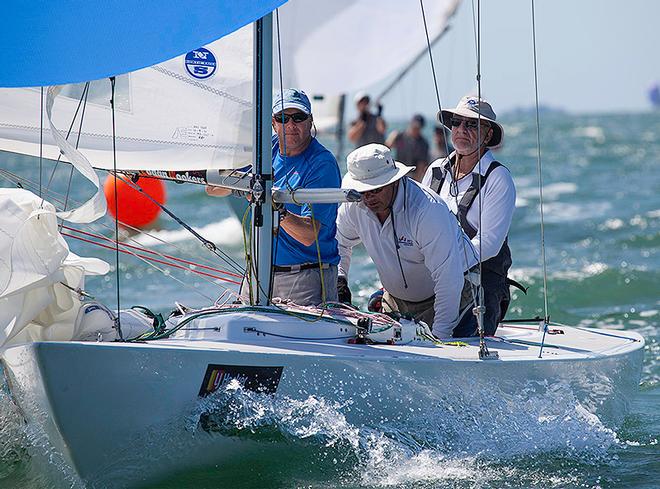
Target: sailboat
x: 112, y: 391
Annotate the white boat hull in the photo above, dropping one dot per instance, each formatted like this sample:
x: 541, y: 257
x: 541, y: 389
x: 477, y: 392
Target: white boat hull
x: 111, y: 409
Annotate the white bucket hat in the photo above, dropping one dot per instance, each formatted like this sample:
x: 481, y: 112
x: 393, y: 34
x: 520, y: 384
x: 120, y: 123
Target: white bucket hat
x: 470, y: 107
x: 361, y: 95
x: 371, y: 167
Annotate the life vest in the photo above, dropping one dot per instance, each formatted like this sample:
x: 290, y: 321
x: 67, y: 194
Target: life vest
x: 500, y: 263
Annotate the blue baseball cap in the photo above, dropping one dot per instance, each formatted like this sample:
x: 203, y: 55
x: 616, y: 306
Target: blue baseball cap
x: 291, y: 98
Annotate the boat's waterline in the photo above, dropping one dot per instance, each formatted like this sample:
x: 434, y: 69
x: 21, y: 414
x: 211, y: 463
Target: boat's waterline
x: 109, y: 408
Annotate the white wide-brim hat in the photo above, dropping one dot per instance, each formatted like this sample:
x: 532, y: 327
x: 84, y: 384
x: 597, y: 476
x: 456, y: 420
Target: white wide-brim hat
x: 372, y: 166
x: 471, y: 107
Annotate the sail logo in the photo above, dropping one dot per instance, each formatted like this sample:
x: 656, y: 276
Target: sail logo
x: 201, y: 63
x: 403, y: 241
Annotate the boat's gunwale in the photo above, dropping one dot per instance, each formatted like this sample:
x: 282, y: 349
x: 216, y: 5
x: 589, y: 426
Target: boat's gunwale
x: 374, y: 352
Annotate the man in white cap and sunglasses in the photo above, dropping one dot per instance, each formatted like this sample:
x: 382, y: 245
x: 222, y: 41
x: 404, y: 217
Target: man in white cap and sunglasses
x: 410, y: 235
x: 306, y: 231
x: 465, y: 177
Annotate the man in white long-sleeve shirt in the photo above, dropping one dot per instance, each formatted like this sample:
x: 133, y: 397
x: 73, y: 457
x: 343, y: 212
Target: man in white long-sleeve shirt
x: 411, y: 236
x: 465, y: 177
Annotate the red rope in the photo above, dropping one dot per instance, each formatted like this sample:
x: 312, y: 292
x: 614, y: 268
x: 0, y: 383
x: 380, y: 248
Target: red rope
x: 148, y: 258
x: 145, y: 250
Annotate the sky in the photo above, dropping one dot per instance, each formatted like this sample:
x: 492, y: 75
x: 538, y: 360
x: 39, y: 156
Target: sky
x: 593, y: 56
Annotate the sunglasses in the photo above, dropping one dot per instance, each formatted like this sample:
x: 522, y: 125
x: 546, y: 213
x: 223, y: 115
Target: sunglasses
x: 470, y: 124
x: 296, y: 117
x: 374, y: 191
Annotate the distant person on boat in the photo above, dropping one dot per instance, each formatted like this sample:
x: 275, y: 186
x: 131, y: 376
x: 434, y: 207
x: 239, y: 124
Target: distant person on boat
x: 441, y: 145
x: 367, y: 127
x: 305, y: 231
x: 462, y: 179
x: 409, y: 233
x: 412, y: 148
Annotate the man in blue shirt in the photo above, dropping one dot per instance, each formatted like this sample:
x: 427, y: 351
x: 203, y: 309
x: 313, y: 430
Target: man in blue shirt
x: 306, y: 232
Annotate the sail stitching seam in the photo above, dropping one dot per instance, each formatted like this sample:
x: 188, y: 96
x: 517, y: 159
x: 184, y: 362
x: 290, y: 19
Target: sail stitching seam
x: 132, y: 139
x: 221, y: 93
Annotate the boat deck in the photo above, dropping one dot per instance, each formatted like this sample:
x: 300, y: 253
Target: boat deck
x: 264, y: 334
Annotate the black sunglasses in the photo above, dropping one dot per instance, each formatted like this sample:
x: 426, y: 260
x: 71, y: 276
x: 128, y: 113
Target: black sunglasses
x: 469, y: 123
x: 296, y: 117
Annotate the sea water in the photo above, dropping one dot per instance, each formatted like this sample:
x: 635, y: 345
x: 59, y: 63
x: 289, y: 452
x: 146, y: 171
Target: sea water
x: 601, y: 191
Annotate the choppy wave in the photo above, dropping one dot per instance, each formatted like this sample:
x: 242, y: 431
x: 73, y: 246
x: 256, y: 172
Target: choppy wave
x: 450, y: 446
x: 13, y: 440
x: 593, y: 132
x: 550, y: 192
x: 27, y: 458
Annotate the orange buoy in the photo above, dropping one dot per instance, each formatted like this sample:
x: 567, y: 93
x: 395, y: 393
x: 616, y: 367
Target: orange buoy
x: 135, y: 209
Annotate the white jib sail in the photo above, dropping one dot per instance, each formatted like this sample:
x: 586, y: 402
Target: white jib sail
x: 193, y: 112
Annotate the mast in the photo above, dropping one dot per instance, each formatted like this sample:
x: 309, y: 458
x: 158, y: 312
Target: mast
x: 262, y: 207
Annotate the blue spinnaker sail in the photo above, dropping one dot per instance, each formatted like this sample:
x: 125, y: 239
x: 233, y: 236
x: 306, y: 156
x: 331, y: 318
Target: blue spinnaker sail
x: 53, y: 42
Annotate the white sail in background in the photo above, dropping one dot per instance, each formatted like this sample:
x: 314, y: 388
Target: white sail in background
x: 342, y: 46
x: 334, y: 48
x: 192, y: 112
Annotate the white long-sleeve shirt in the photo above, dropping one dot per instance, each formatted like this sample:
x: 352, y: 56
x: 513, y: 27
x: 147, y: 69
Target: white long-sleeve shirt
x: 428, y: 236
x: 499, y: 202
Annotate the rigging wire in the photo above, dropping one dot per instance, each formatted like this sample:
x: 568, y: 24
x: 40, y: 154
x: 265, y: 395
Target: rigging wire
x: 437, y: 93
x: 207, y: 243
x: 83, y: 96
x: 162, y: 255
x: 82, y: 118
x: 276, y: 236
x: 125, y: 236
x: 540, y: 178
x: 144, y: 257
x: 483, y: 349
x: 57, y: 198
x: 41, y: 139
x: 428, y: 44
x: 286, y: 179
x: 114, y: 165
x: 145, y: 260
x: 474, y: 31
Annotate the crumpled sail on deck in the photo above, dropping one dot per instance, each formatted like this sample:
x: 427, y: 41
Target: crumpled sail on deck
x: 193, y: 112
x: 34, y: 263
